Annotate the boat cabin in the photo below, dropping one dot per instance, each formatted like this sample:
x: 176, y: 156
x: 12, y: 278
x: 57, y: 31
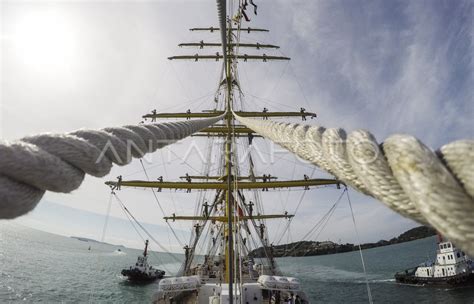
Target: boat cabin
x: 449, y: 261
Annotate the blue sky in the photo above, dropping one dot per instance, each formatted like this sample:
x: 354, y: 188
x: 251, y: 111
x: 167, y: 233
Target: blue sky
x: 386, y: 66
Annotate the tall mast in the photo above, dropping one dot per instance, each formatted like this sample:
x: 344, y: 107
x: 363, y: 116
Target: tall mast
x: 229, y: 254
x: 223, y: 185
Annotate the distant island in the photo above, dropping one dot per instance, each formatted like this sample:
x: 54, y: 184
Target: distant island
x: 310, y: 248
x: 83, y: 239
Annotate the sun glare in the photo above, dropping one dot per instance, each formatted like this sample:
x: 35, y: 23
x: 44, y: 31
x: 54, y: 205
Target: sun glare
x: 44, y: 40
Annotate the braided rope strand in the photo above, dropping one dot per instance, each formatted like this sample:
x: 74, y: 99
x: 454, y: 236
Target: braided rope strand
x: 58, y: 162
x: 434, y: 188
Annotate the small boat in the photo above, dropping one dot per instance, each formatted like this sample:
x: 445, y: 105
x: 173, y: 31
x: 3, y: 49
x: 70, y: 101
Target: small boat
x: 452, y: 267
x: 141, y: 271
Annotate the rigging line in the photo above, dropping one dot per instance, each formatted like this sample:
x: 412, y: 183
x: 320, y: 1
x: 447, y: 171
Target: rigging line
x: 202, y: 223
x: 318, y: 224
x: 238, y: 228
x: 301, y: 163
x: 292, y: 177
x: 143, y: 239
x: 262, y: 240
x: 201, y: 242
x: 297, y: 81
x: 187, y: 102
x: 199, y: 106
x: 234, y: 202
x: 152, y: 189
x: 269, y: 101
x: 104, y: 229
x: 278, y: 158
x: 179, y: 81
x: 219, y: 80
x: 324, y: 224
x: 216, y: 245
x: 184, y: 162
x: 326, y: 218
x: 284, y: 205
x: 297, y: 208
x: 273, y: 90
x: 287, y: 228
x: 194, y: 241
x: 256, y: 196
x: 369, y: 293
x: 247, y: 78
x: 199, y: 239
x: 131, y: 222
x: 102, y: 239
x: 202, y: 196
x: 159, y: 205
x: 146, y: 231
x: 300, y: 86
x: 150, y: 167
x: 254, y: 241
x: 172, y: 195
x: 242, y: 99
x: 289, y: 238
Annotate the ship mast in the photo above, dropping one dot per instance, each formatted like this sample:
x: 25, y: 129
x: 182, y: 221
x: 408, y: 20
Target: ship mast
x: 229, y: 252
x: 228, y: 183
x: 145, y: 252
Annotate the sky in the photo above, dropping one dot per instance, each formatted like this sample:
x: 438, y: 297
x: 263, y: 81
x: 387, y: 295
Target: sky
x: 385, y: 66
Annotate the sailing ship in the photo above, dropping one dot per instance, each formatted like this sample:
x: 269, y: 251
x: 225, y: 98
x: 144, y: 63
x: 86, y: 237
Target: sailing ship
x: 452, y: 267
x: 142, y: 271
x: 235, y: 222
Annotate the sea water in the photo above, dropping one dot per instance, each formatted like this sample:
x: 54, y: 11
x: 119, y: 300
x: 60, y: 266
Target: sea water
x: 38, y: 267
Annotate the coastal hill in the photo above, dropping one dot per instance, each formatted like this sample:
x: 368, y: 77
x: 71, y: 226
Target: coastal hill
x: 309, y: 248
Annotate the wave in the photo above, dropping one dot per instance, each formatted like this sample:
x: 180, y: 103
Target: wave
x: 327, y: 273
x: 383, y: 280
x: 375, y: 281
x: 333, y: 274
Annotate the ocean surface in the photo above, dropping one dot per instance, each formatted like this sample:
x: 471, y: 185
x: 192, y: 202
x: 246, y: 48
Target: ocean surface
x: 38, y: 267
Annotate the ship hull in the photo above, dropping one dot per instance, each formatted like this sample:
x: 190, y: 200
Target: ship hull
x: 461, y: 279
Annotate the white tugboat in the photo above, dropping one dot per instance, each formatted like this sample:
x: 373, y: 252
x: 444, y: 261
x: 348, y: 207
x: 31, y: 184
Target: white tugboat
x: 143, y: 272
x: 452, y: 267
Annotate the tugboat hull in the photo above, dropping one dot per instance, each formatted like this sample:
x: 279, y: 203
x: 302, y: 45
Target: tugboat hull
x: 142, y: 272
x: 452, y: 267
x: 139, y: 276
x: 461, y: 279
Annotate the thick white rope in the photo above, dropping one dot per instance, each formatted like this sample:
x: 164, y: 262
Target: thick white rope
x: 434, y: 188
x: 58, y: 162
